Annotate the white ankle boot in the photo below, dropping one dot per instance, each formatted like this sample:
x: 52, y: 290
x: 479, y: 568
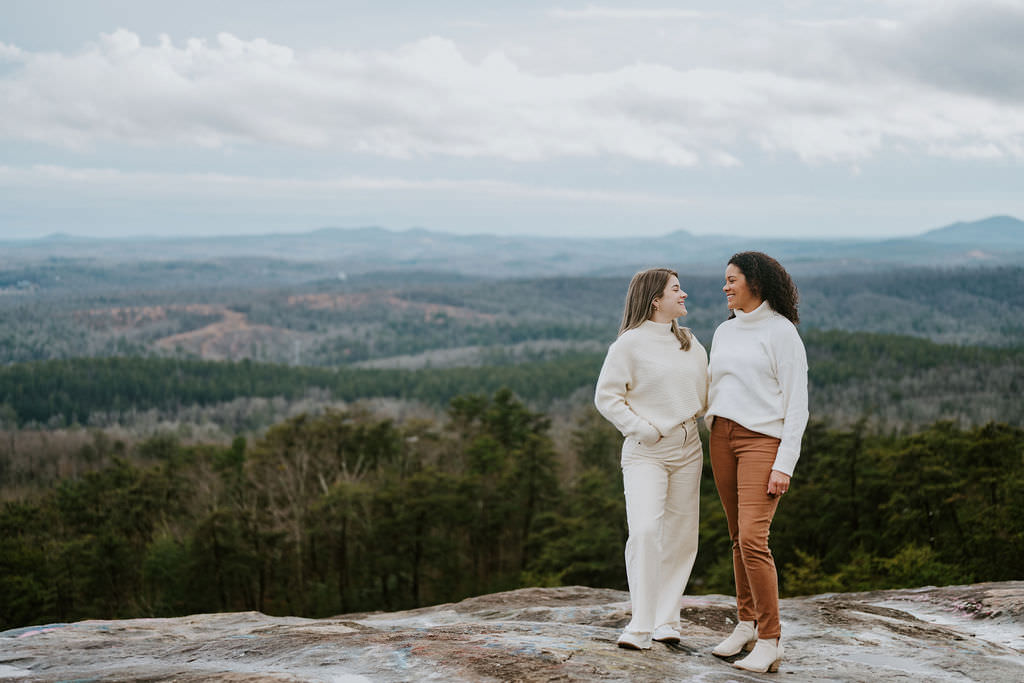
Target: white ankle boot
x: 666, y: 634
x: 743, y: 638
x: 631, y: 640
x: 766, y: 657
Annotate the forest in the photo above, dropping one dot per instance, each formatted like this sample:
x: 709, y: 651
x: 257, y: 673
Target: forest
x: 73, y: 310
x: 190, y: 436
x: 896, y: 381
x: 346, y: 511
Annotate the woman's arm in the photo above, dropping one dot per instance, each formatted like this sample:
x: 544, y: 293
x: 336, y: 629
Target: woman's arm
x: 613, y: 385
x: 791, y: 371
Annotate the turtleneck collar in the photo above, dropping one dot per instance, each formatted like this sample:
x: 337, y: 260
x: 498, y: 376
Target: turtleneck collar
x: 660, y: 328
x: 762, y: 312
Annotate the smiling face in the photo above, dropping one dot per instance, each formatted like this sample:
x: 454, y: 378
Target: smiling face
x: 737, y: 292
x: 671, y: 304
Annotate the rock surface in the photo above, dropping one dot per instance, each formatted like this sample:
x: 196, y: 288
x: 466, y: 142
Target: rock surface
x: 953, y: 633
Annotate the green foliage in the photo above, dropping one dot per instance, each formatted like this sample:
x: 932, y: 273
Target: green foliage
x: 27, y: 592
x: 936, y: 507
x: 899, y: 382
x: 581, y: 542
x: 805, y: 576
x: 346, y: 512
x: 584, y: 544
x: 69, y: 390
x: 443, y: 332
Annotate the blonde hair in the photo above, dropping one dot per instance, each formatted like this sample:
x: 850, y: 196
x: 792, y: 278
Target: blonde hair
x: 644, y: 288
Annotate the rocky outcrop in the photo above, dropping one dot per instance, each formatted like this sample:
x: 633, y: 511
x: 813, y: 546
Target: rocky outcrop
x: 953, y: 633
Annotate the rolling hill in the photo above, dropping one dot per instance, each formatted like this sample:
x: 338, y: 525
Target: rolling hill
x: 340, y: 251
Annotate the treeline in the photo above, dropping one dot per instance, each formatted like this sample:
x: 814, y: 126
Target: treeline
x: 392, y: 338
x: 347, y: 512
x: 899, y: 382
x: 63, y: 392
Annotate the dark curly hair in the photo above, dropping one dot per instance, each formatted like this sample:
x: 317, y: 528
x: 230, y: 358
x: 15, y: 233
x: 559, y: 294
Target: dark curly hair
x: 768, y: 281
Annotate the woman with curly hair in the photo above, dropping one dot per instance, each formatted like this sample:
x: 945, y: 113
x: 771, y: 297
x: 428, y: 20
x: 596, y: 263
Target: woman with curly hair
x: 757, y: 412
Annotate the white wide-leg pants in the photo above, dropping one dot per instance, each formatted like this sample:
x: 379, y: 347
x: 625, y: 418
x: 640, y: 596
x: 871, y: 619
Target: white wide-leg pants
x: 662, y: 486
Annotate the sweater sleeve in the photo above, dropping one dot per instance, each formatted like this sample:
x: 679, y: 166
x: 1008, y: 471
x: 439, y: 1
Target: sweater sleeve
x: 791, y: 369
x: 613, y: 385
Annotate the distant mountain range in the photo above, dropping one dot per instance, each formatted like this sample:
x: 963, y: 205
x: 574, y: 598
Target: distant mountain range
x: 997, y: 231
x: 992, y: 241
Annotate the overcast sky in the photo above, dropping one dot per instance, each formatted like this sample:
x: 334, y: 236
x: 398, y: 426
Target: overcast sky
x: 798, y: 118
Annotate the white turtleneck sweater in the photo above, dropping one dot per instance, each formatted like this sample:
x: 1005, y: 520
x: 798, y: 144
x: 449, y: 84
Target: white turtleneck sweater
x: 648, y: 385
x: 759, y: 379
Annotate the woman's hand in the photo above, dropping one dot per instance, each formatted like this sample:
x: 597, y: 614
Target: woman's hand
x: 778, y: 483
x: 652, y: 436
x: 653, y: 443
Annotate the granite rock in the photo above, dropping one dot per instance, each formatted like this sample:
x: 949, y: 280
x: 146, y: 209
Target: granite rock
x: 952, y: 633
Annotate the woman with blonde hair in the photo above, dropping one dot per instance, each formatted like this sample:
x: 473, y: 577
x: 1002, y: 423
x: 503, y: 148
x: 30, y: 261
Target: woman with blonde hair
x: 652, y: 387
x: 757, y: 415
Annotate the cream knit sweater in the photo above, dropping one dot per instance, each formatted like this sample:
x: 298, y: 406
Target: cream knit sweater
x: 759, y: 379
x: 648, y: 385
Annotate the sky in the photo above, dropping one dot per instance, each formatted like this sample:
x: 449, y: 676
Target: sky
x: 604, y: 119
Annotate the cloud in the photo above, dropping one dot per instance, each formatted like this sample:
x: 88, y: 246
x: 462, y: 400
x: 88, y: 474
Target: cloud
x: 974, y: 48
x: 10, y: 52
x: 656, y: 14
x: 841, y: 91
x: 219, y: 185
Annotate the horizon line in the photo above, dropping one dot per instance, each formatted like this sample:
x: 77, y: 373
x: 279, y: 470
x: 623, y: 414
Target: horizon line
x: 65, y: 236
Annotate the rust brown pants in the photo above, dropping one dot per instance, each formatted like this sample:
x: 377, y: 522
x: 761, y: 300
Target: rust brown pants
x: 742, y: 460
